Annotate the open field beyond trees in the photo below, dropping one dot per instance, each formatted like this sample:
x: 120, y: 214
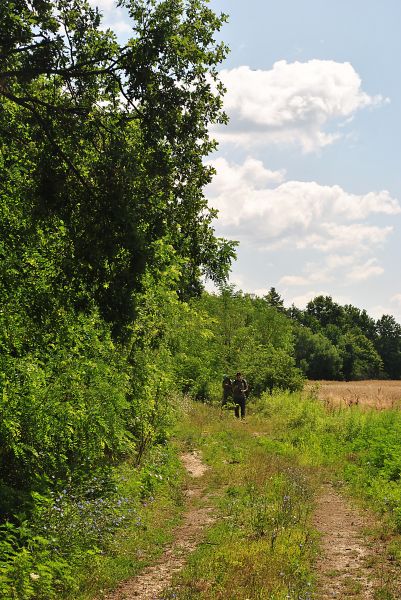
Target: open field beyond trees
x: 373, y: 393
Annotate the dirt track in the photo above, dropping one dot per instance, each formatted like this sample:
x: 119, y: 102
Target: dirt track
x: 153, y: 580
x: 345, y: 565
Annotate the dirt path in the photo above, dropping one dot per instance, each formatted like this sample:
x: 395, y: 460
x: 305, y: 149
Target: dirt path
x: 153, y: 580
x: 345, y: 566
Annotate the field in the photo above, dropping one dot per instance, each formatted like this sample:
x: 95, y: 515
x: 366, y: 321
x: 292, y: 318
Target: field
x: 377, y: 394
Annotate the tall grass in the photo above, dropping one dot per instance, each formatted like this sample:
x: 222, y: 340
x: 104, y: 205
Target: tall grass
x: 363, y: 446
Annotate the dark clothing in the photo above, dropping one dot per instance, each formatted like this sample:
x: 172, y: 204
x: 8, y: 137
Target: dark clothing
x: 227, y: 390
x: 240, y: 387
x: 240, y: 404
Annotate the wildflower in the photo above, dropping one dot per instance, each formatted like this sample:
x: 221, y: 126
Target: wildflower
x: 34, y: 576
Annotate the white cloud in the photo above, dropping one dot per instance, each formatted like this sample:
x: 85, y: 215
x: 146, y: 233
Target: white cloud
x: 351, y: 268
x: 268, y: 214
x: 304, y: 214
x: 396, y: 299
x: 294, y: 280
x: 379, y: 310
x: 334, y: 237
x: 293, y: 103
x: 358, y: 207
x: 114, y: 17
x: 365, y: 271
x: 253, y: 170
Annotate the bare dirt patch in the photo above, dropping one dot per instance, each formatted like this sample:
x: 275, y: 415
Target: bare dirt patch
x: 345, y: 567
x: 198, y: 514
x: 193, y: 464
x: 370, y: 393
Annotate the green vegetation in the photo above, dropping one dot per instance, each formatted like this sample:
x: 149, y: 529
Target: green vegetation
x: 104, y: 232
x: 263, y: 476
x: 262, y: 545
x: 343, y: 342
x: 361, y: 447
x: 106, y: 238
x: 234, y: 331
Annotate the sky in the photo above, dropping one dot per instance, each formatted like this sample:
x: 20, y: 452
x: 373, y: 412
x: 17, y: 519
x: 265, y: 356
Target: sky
x: 308, y: 176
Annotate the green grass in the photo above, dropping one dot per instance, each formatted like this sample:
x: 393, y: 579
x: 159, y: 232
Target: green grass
x: 262, y: 545
x: 263, y: 475
x: 262, y: 482
x: 154, y: 509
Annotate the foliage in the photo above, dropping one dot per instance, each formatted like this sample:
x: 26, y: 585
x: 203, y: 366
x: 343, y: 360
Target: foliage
x: 107, y: 143
x: 360, y: 359
x: 363, y: 446
x: 316, y: 355
x: 104, y: 230
x: 230, y: 332
x: 388, y: 345
x: 343, y: 342
x: 273, y: 298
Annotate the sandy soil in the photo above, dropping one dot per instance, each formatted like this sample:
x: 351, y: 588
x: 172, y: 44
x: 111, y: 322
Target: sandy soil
x: 345, y: 565
x: 154, y: 580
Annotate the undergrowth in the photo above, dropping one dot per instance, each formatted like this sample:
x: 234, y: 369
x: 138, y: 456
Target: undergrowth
x: 81, y: 541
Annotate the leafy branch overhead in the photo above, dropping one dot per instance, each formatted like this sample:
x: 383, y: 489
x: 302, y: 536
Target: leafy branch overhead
x: 116, y: 135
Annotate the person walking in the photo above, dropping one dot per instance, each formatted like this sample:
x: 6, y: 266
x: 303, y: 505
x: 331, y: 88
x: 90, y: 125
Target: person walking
x: 227, y: 390
x: 240, y: 388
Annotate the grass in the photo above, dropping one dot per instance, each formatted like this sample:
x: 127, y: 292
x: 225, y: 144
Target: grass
x: 155, y: 508
x: 263, y: 475
x: 262, y: 481
x: 262, y: 545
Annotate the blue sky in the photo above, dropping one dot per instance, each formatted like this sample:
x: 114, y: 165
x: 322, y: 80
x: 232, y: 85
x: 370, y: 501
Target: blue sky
x: 308, y: 176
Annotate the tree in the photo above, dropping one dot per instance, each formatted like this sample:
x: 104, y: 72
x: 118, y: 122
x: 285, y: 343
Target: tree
x: 115, y: 138
x: 360, y: 359
x: 104, y: 226
x: 354, y: 317
x: 274, y: 299
x: 247, y: 335
x: 103, y: 220
x: 388, y: 344
x: 316, y: 355
x: 325, y: 310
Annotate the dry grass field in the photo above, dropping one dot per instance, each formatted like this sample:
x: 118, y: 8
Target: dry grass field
x: 371, y: 393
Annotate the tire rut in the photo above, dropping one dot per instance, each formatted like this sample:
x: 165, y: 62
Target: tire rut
x: 345, y: 565
x: 149, y: 584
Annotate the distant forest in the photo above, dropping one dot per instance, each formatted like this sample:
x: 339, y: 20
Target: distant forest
x: 329, y: 341
x: 279, y: 347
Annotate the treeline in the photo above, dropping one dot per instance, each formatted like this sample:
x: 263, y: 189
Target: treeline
x: 277, y: 347
x: 344, y: 342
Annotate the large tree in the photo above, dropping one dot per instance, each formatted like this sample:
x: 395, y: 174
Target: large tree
x: 103, y: 223
x: 112, y: 138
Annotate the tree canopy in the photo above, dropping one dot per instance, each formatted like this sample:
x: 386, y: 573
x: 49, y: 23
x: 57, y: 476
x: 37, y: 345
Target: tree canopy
x: 112, y: 139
